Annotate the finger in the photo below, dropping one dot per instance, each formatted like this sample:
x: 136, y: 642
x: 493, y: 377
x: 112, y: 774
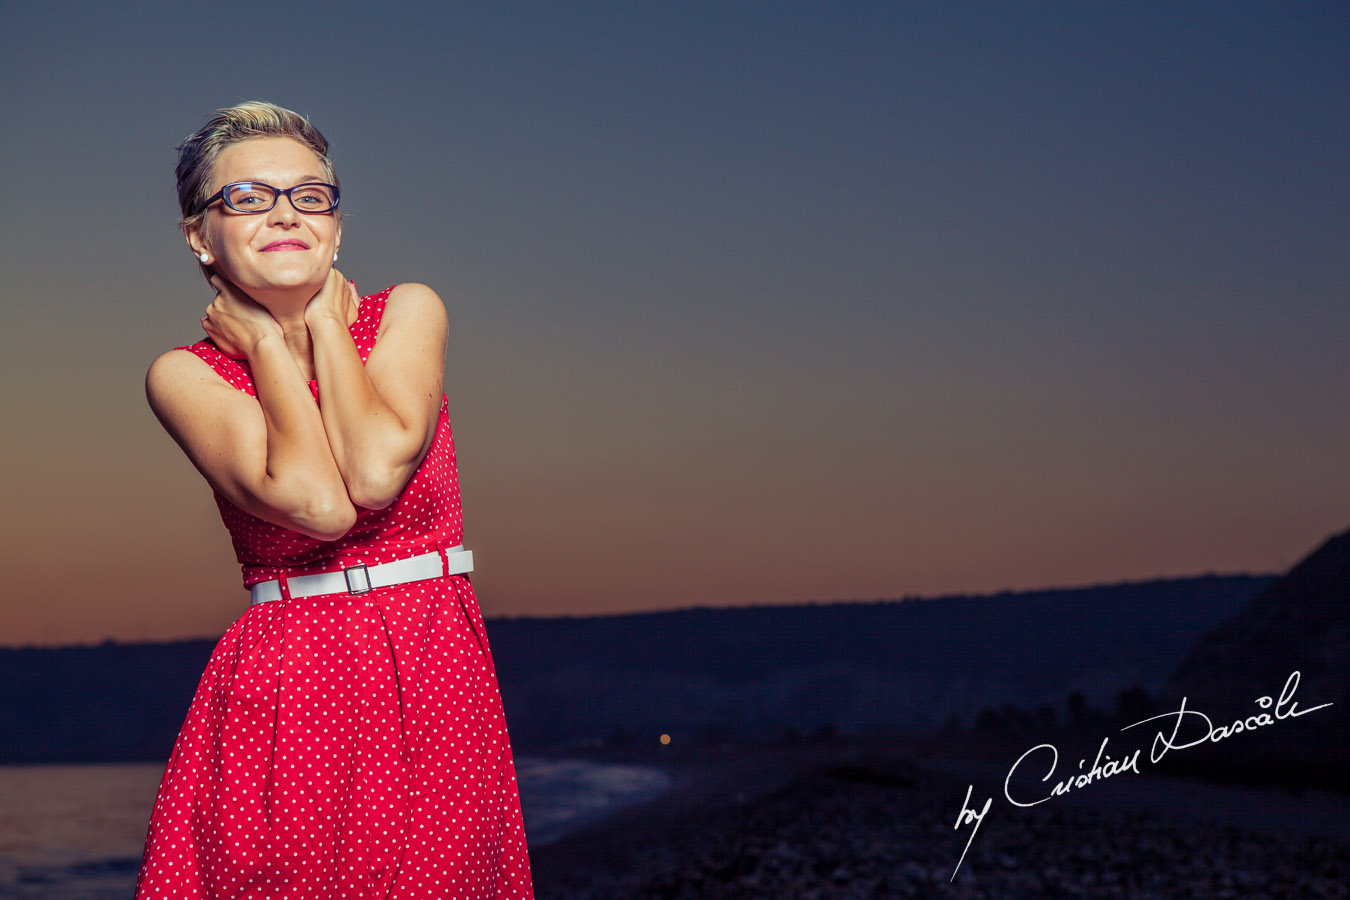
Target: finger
x: 227, y: 290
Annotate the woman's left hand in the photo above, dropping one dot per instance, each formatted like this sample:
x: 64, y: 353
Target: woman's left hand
x: 333, y: 299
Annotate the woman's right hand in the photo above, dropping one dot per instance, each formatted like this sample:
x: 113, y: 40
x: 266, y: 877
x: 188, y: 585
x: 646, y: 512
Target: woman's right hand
x: 235, y: 321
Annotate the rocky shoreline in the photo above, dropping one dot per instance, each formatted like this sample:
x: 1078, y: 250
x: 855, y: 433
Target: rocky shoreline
x: 848, y: 822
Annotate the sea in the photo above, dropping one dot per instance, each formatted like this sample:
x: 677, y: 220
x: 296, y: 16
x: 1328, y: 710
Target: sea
x: 76, y: 832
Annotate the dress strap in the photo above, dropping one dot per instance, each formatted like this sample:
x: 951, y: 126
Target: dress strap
x: 232, y: 370
x: 367, y: 325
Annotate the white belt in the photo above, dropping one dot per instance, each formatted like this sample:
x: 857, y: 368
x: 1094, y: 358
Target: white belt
x: 360, y: 578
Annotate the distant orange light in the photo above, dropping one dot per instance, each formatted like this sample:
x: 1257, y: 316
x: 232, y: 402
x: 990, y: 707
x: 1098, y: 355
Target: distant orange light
x: 665, y: 739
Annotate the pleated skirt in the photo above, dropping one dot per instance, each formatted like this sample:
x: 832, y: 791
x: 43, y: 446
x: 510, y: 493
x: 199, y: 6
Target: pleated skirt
x: 344, y: 748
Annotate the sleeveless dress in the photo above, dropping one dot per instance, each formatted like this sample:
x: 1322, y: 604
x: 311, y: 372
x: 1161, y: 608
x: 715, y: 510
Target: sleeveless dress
x: 344, y: 747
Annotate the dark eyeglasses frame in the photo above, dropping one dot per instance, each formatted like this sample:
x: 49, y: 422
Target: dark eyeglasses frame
x: 222, y: 195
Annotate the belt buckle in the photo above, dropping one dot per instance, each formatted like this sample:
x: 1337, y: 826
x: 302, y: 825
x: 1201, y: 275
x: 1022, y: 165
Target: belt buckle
x: 364, y: 574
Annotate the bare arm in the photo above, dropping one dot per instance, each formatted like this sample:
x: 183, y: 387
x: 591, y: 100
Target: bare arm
x: 269, y: 455
x: 380, y: 418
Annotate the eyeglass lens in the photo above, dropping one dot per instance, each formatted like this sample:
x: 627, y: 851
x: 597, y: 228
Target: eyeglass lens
x: 254, y: 197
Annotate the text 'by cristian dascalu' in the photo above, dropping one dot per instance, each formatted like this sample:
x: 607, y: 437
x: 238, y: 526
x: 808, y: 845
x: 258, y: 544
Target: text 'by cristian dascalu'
x: 1198, y: 728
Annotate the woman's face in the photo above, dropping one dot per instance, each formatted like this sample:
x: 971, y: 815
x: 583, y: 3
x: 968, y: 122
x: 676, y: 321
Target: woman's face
x: 277, y: 252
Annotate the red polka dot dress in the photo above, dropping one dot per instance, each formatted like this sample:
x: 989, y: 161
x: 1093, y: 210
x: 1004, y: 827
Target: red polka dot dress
x: 344, y: 746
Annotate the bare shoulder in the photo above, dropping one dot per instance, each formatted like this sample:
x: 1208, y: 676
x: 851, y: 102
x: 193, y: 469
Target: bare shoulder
x: 171, y: 369
x: 176, y: 377
x: 414, y: 305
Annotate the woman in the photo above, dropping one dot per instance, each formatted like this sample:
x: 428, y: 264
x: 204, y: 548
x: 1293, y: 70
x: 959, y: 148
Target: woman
x: 346, y: 739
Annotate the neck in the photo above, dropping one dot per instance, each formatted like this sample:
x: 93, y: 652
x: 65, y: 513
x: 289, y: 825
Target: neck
x: 290, y: 315
x: 299, y: 342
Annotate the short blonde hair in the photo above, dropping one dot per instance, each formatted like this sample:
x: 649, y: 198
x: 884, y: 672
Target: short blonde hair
x: 198, y: 153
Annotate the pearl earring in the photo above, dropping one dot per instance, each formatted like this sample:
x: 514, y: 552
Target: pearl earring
x: 204, y: 257
x: 334, y: 256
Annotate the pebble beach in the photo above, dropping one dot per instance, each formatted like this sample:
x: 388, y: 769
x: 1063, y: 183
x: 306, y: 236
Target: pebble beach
x: 852, y: 822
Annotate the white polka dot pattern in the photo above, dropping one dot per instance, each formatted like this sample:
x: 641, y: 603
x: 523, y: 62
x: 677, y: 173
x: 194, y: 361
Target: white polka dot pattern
x: 345, y: 747
x: 425, y: 516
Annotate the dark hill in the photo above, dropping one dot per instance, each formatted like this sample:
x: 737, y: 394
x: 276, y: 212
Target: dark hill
x: 1299, y: 623
x: 747, y: 671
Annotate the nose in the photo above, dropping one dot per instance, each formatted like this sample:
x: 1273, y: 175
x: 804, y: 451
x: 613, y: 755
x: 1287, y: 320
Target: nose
x: 284, y: 212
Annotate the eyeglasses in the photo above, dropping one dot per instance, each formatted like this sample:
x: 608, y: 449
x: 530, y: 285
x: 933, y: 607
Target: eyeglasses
x: 255, y: 197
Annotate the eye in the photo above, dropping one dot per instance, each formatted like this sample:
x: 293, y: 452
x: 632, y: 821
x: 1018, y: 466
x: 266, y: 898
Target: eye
x: 247, y: 196
x: 312, y: 196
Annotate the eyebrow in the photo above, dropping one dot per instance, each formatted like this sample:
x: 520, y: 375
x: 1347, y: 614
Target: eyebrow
x: 304, y: 179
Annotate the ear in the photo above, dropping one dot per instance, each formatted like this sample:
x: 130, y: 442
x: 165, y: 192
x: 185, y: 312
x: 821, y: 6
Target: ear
x: 337, y: 235
x: 197, y: 241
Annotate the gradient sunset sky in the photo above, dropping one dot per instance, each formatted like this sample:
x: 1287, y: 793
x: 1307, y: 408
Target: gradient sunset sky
x: 749, y: 302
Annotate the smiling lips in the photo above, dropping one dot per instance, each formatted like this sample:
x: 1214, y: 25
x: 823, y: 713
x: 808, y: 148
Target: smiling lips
x: 288, y: 244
